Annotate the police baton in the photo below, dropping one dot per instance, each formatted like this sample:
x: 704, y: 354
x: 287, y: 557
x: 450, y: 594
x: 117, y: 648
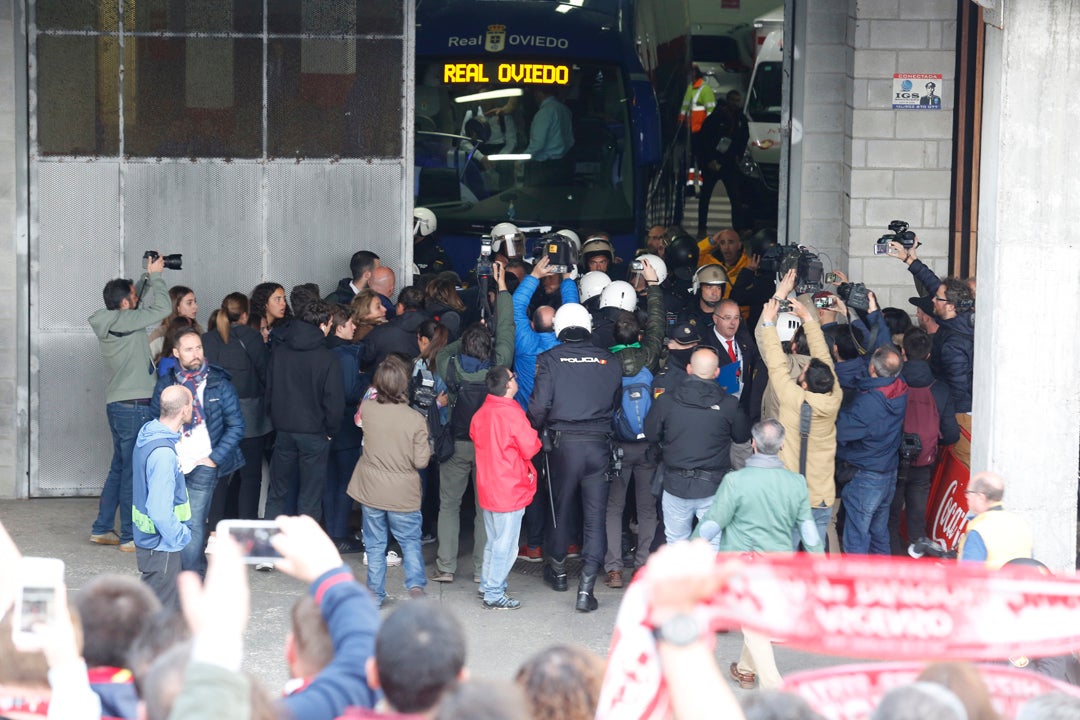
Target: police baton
x: 547, y: 444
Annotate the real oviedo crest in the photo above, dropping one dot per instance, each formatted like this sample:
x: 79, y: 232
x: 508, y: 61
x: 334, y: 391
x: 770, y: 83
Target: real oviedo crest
x: 495, y: 39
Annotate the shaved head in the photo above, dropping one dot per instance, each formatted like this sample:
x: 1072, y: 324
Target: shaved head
x: 704, y: 364
x: 544, y: 318
x: 989, y: 484
x: 174, y: 399
x: 382, y: 281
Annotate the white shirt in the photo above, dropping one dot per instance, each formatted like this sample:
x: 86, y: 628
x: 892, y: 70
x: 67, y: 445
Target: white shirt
x: 738, y: 357
x: 190, y: 449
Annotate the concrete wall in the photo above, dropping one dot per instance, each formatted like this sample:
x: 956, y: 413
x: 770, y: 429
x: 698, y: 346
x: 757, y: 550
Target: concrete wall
x: 896, y: 163
x: 9, y: 304
x: 1027, y: 335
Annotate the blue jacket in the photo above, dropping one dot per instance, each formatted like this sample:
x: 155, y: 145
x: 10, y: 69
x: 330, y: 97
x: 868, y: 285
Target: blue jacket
x: 355, y: 384
x: 223, y: 418
x: 352, y: 621
x: 160, y: 513
x: 528, y: 343
x: 868, y: 430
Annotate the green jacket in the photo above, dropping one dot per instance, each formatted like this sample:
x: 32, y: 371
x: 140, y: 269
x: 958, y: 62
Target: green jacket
x: 632, y: 359
x: 124, y: 344
x: 759, y: 508
x: 504, y: 345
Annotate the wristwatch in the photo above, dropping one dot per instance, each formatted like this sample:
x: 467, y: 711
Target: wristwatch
x: 681, y: 629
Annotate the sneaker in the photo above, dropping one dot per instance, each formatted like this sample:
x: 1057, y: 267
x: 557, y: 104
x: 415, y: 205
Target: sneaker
x: 129, y: 546
x: 210, y: 542
x: 428, y: 539
x: 415, y: 593
x: 347, y: 545
x: 504, y: 603
x: 573, y: 551
x: 109, y: 538
x: 264, y: 566
x: 392, y: 559
x: 443, y: 577
x: 530, y: 554
x: 614, y: 579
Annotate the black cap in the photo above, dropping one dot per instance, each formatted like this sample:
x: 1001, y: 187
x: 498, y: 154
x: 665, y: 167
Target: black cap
x: 924, y: 303
x: 685, y: 333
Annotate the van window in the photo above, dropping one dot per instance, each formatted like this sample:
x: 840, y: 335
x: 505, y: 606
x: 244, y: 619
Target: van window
x: 764, y: 102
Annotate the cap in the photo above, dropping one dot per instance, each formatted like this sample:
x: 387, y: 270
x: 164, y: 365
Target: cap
x: 686, y: 333
x: 924, y: 303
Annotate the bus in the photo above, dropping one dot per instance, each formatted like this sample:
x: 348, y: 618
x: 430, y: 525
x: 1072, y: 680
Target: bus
x: 483, y: 67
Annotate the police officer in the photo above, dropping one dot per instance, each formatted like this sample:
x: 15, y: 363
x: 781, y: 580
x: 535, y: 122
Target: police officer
x: 577, y: 387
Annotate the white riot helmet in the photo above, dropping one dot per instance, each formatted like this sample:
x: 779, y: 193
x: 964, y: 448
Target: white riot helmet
x: 787, y: 324
x: 709, y: 275
x: 619, y: 294
x: 507, y: 239
x: 572, y: 237
x: 569, y: 316
x: 425, y: 222
x: 592, y: 284
x: 656, y: 263
x: 596, y: 246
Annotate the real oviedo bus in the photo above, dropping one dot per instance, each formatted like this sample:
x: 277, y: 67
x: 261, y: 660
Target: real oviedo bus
x: 483, y: 67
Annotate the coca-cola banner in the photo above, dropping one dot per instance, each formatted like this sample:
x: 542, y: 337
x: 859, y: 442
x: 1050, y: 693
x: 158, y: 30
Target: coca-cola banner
x: 851, y: 692
x: 875, y: 607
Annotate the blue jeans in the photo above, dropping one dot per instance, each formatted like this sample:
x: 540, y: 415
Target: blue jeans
x: 500, y: 552
x: 866, y: 501
x: 679, y: 515
x: 201, y: 483
x: 821, y: 516
x: 406, y: 528
x: 125, y: 421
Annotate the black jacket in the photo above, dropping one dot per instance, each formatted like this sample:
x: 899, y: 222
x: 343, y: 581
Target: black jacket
x: 304, y: 392
x: 396, y: 336
x: 695, y: 424
x: 952, y: 356
x: 354, y: 384
x: 343, y: 294
x: 577, y: 388
x: 244, y: 357
x: 916, y: 374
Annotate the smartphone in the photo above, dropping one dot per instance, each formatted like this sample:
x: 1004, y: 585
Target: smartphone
x: 40, y: 582
x: 830, y: 278
x: 253, y: 537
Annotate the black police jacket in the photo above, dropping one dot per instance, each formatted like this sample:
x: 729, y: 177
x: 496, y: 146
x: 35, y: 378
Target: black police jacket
x: 577, y: 388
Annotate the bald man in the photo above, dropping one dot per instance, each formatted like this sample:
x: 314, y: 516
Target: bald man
x: 994, y: 535
x: 382, y: 281
x: 697, y: 421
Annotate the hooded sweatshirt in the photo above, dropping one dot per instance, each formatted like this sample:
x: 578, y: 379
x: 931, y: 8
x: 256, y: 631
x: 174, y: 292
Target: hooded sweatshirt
x: 305, y: 391
x: 158, y: 490
x: 124, y: 344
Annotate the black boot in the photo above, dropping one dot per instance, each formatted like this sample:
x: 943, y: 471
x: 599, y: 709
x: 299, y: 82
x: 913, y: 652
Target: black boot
x: 555, y: 575
x: 586, y: 601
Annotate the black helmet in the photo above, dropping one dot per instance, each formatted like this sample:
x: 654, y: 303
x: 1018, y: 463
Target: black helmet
x: 681, y: 256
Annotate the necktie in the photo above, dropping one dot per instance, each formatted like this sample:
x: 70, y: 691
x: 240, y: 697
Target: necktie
x: 731, y: 350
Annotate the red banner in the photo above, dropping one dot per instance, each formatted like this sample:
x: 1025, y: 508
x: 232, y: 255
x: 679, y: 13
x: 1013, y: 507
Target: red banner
x: 857, y: 606
x: 851, y: 692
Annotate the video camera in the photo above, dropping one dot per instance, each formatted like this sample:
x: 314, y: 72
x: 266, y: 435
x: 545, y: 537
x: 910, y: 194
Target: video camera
x: 856, y: 295
x: 172, y: 262
x: 483, y: 263
x: 900, y: 234
x: 561, y: 252
x: 809, y: 271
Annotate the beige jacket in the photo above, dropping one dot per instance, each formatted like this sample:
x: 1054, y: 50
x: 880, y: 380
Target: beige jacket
x: 395, y: 448
x: 821, y: 445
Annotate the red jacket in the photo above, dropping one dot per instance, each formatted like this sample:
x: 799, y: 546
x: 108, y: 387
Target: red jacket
x: 505, y: 444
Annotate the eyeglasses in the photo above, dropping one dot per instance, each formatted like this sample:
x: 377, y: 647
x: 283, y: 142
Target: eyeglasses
x: 939, y: 299
x: 972, y: 492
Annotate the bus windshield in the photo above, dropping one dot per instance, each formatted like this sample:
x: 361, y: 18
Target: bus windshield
x: 523, y: 139
x: 763, y: 105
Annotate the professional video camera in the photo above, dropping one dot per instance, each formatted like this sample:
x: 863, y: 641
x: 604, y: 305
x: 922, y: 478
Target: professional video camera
x: 900, y: 234
x: 809, y: 271
x: 483, y: 263
x: 856, y: 295
x: 172, y: 262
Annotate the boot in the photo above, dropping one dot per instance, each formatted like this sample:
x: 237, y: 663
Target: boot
x: 586, y: 601
x: 555, y: 575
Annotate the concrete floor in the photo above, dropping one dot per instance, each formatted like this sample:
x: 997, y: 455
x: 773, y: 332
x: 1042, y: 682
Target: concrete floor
x: 498, y: 641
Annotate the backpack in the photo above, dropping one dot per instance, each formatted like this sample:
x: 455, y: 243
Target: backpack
x: 922, y: 418
x: 468, y: 397
x: 422, y: 394
x: 629, y: 418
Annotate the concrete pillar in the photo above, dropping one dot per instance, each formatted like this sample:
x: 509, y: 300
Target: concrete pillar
x: 1027, y: 334
x: 9, y: 304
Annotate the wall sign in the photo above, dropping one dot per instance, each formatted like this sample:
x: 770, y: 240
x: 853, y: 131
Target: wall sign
x: 917, y: 91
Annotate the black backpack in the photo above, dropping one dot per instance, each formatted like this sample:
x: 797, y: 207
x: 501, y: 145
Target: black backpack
x: 422, y: 394
x: 470, y: 395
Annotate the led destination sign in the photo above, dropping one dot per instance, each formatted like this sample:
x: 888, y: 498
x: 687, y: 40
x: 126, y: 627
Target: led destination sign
x: 523, y: 73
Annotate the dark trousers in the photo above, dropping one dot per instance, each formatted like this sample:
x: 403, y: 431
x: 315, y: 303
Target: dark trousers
x: 730, y: 176
x: 337, y: 504
x: 299, y: 462
x: 579, y: 465
x: 912, y: 494
x: 159, y: 571
x: 538, y: 511
x: 638, y: 469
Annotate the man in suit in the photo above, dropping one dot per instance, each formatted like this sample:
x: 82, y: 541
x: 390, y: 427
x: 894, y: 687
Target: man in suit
x: 733, y: 343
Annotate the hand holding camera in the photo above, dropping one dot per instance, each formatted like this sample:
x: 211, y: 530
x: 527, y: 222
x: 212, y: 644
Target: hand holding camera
x: 770, y: 310
x: 647, y: 271
x: 542, y: 268
x: 498, y: 271
x: 306, y: 551
x: 787, y: 283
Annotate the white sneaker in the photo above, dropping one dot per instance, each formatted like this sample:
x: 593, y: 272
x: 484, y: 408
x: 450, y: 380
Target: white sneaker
x: 264, y: 566
x: 210, y: 541
x: 392, y: 559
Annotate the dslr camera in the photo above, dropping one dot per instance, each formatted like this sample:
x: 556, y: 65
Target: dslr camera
x: 900, y: 234
x: 172, y: 262
x: 856, y: 295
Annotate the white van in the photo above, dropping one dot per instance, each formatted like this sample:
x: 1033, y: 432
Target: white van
x: 761, y: 161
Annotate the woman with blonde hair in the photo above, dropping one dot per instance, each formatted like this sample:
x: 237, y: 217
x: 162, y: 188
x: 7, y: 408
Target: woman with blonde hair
x: 367, y: 312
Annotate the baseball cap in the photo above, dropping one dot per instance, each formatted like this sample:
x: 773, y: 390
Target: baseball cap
x: 924, y: 303
x: 686, y: 333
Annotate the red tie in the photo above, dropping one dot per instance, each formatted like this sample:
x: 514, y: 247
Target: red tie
x: 731, y: 350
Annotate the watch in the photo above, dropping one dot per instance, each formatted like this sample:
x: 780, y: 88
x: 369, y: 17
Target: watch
x: 681, y: 629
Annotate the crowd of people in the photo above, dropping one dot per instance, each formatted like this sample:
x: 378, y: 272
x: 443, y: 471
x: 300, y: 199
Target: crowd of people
x: 598, y: 413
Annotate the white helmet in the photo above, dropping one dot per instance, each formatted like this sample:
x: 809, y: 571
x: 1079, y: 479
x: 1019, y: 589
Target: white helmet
x: 425, y: 222
x: 787, y: 324
x: 571, y: 315
x: 506, y: 235
x: 711, y: 274
x: 656, y: 263
x: 619, y: 294
x: 592, y: 284
x: 597, y: 245
x: 572, y: 237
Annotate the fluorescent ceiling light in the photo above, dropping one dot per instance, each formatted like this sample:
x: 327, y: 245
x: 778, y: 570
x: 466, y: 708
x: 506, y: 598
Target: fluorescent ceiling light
x: 490, y: 95
x: 563, y: 8
x: 576, y: 3
x: 510, y: 156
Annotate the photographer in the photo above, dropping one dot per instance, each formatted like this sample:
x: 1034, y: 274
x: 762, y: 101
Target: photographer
x: 953, y: 352
x: 855, y: 342
x: 121, y: 332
